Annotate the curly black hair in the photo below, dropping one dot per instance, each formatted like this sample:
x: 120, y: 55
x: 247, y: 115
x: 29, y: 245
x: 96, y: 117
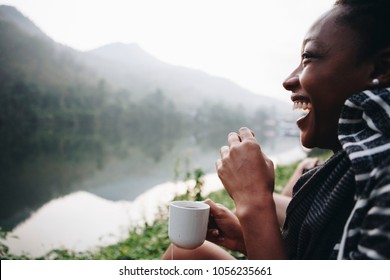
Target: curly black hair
x: 370, y: 19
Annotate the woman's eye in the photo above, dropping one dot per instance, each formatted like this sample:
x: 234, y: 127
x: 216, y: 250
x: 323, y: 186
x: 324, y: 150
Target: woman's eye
x: 306, y: 57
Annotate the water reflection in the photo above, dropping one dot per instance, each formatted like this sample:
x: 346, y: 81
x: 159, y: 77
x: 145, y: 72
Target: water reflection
x: 77, y: 221
x: 38, y: 165
x: 75, y: 181
x: 82, y: 221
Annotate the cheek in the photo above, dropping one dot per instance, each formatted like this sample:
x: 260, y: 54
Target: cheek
x: 314, y: 86
x: 311, y: 78
x: 324, y: 92
x: 324, y: 89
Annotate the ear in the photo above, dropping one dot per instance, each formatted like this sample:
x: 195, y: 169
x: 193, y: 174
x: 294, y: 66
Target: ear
x: 382, y: 67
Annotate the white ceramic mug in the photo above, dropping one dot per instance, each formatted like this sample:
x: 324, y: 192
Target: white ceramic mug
x: 188, y: 223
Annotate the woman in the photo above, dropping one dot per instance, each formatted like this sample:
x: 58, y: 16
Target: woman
x: 343, y: 208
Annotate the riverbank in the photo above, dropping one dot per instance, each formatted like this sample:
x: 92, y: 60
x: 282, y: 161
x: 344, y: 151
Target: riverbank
x: 89, y: 222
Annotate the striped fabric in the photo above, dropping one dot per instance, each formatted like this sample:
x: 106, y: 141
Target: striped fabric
x: 364, y: 131
x: 322, y: 201
x: 342, y: 209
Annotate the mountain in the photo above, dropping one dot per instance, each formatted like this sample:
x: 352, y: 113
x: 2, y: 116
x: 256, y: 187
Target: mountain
x: 12, y: 15
x: 31, y: 55
x: 130, y: 67
x: 28, y: 55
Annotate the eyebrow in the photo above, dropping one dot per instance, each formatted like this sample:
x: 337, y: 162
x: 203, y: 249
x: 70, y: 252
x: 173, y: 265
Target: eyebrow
x: 316, y: 41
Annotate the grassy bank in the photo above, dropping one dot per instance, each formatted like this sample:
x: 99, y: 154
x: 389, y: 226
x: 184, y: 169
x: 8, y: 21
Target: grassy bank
x: 150, y: 241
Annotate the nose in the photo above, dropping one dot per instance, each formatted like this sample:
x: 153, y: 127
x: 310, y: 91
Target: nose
x: 292, y: 81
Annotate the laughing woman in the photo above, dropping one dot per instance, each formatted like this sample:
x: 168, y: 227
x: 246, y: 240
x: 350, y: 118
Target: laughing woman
x: 341, y: 209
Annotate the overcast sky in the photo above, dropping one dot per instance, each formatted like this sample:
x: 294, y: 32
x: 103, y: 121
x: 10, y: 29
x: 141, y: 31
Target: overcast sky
x: 254, y: 43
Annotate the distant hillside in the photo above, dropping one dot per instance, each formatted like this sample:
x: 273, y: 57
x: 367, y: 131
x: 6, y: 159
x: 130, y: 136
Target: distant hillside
x: 12, y: 15
x: 30, y: 55
x: 130, y: 67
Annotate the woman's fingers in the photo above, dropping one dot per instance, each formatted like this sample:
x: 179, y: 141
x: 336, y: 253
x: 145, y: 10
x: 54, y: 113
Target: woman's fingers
x: 224, y: 151
x: 213, y: 233
x: 246, y: 134
x: 233, y: 139
x: 214, y: 207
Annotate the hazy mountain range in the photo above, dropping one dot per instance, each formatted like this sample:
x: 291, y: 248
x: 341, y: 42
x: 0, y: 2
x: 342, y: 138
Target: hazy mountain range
x: 28, y: 53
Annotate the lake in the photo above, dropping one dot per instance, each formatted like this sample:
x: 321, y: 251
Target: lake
x: 79, y: 189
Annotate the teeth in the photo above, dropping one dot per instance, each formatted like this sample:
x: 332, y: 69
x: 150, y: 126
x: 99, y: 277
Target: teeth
x: 301, y: 105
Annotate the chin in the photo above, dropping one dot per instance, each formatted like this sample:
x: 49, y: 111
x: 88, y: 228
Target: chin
x: 325, y: 146
x: 307, y: 142
x: 311, y: 139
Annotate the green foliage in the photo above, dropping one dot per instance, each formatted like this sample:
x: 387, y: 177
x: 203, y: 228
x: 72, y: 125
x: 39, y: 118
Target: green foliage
x: 283, y: 174
x: 320, y: 153
x: 195, y: 184
x: 222, y: 197
x: 4, y: 250
x: 3, y: 247
x: 148, y: 244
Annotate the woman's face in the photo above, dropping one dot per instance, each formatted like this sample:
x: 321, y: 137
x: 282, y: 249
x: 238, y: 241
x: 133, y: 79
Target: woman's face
x: 328, y: 74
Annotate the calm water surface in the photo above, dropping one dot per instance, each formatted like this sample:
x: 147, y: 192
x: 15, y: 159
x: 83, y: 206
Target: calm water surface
x: 78, y: 190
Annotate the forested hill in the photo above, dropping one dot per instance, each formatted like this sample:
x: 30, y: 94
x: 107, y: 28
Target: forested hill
x: 30, y: 55
x: 12, y: 15
x: 45, y: 83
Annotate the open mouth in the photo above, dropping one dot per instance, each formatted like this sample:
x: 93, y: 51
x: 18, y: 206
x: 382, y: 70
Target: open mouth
x: 301, y: 104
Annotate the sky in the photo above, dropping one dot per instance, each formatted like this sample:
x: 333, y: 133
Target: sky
x: 254, y: 43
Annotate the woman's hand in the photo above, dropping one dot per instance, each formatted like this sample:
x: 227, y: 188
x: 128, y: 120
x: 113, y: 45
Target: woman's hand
x: 248, y: 176
x: 246, y: 173
x: 224, y: 228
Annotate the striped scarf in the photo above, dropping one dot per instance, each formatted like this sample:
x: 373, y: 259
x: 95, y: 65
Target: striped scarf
x: 348, y: 197
x: 364, y: 132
